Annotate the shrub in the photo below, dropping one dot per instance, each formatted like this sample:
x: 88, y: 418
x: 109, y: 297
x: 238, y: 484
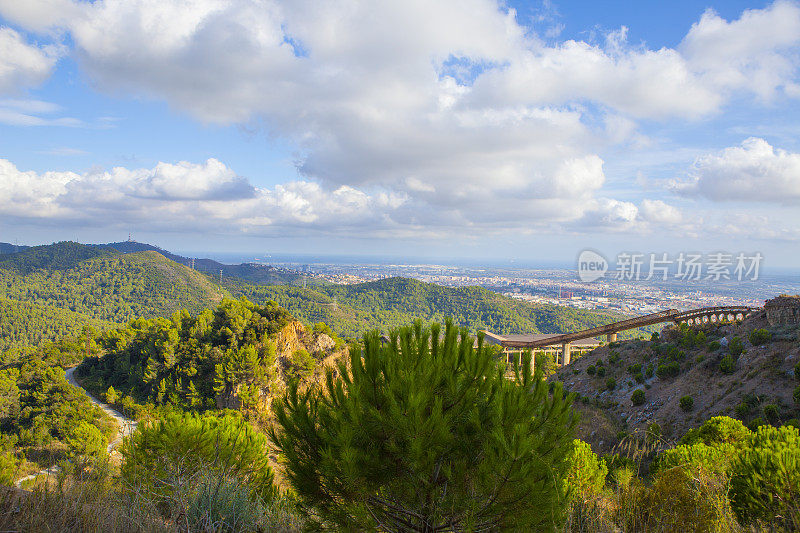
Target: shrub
x: 796, y: 394
x: 715, y: 459
x: 637, y: 398
x: 601, y: 371
x: 635, y: 369
x: 686, y: 403
x: 766, y: 476
x: 742, y: 410
x: 591, y: 370
x: 736, y: 347
x: 654, y: 336
x: 399, y: 426
x: 713, y: 346
x: 649, y: 372
x: 180, y: 444
x: 797, y: 372
x: 613, y: 357
x: 653, y: 432
x: 718, y: 430
x: 611, y: 383
x: 668, y: 370
x: 222, y: 503
x: 756, y: 423
x: 772, y: 413
x: 727, y: 365
x: 586, y: 473
x: 759, y: 336
x: 639, y: 377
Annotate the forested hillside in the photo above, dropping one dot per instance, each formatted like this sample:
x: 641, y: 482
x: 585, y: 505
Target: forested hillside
x: 235, y: 355
x: 25, y: 324
x: 105, y: 285
x: 352, y: 309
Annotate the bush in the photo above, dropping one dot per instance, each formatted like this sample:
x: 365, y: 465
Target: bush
x: 222, y: 503
x: 601, y: 371
x: 727, y: 365
x: 772, y: 413
x: 649, y: 372
x: 399, y: 427
x: 718, y: 430
x: 635, y: 369
x: 639, y: 377
x: 766, y: 476
x: 686, y: 403
x: 797, y: 372
x: 668, y: 370
x: 759, y: 336
x: 796, y: 395
x: 637, y: 398
x: 181, y: 444
x: 713, y: 346
x: 591, y: 370
x: 736, y: 347
x: 611, y: 383
x: 586, y: 473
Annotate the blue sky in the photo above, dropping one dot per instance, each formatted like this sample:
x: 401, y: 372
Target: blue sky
x: 471, y: 128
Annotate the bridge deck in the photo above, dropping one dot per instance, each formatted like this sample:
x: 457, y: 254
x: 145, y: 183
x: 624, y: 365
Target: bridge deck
x: 670, y: 315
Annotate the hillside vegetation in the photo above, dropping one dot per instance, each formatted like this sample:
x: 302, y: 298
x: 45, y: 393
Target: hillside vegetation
x: 24, y: 325
x: 351, y: 310
x: 105, y: 285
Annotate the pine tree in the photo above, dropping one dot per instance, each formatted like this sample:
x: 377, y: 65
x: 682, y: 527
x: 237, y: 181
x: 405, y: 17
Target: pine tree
x: 426, y: 434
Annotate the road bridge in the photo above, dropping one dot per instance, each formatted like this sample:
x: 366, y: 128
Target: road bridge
x: 518, y: 343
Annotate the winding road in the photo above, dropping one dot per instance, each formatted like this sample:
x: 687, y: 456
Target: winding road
x: 126, y: 426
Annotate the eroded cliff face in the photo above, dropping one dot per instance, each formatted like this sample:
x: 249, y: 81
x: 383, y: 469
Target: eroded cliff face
x: 295, y: 345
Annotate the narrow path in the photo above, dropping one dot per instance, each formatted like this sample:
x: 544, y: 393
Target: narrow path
x: 126, y: 427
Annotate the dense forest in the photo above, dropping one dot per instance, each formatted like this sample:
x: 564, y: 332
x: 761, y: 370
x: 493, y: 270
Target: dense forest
x: 24, y: 325
x: 44, y: 419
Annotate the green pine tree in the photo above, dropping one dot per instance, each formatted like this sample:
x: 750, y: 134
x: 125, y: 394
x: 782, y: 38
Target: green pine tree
x: 426, y: 434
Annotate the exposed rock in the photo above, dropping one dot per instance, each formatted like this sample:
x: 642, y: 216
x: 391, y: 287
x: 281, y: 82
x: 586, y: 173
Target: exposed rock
x: 783, y: 310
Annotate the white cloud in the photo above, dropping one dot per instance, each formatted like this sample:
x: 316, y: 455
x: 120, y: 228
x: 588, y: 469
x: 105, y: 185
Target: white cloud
x: 751, y: 172
x: 758, y: 52
x: 22, y: 65
x: 439, y: 114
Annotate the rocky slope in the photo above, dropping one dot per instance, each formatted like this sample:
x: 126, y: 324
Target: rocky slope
x: 685, y: 376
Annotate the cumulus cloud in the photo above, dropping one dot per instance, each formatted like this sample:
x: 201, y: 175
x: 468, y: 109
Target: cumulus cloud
x: 439, y: 114
x: 23, y: 65
x: 752, y: 172
x: 609, y: 215
x: 183, y: 196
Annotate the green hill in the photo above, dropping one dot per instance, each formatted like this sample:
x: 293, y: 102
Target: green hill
x: 102, y: 284
x: 352, y: 309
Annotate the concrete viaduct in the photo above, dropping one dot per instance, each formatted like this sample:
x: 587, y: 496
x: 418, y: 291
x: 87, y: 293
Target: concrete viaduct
x: 518, y: 343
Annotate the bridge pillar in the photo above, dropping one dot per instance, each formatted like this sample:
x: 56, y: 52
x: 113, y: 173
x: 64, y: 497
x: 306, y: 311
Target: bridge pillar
x: 611, y: 337
x: 566, y: 350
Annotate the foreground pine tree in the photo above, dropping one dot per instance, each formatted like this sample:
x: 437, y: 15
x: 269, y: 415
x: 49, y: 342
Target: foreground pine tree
x: 426, y: 434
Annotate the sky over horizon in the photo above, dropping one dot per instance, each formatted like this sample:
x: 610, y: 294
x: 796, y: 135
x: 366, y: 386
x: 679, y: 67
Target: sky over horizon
x: 471, y: 128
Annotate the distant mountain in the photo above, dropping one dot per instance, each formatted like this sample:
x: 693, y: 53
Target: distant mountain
x: 57, y: 256
x: 8, y: 248
x: 252, y: 272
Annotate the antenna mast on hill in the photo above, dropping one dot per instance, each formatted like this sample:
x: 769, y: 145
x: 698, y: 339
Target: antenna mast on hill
x: 192, y: 263
x: 220, y: 276
x: 129, y: 237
